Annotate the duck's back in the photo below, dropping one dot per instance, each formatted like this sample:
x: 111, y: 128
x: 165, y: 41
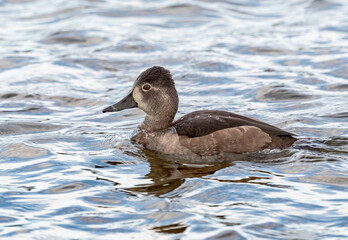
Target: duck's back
x: 210, y: 132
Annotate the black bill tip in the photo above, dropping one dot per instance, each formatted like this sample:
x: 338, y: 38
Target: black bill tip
x: 109, y: 109
x: 126, y: 102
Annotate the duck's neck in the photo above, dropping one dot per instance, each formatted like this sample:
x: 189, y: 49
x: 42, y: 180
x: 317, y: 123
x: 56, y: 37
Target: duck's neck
x: 154, y: 123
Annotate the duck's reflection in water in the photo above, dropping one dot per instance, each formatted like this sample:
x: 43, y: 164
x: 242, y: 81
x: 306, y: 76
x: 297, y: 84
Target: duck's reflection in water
x: 168, y: 173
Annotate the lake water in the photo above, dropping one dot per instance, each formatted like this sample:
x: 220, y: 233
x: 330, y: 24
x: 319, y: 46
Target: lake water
x: 67, y: 171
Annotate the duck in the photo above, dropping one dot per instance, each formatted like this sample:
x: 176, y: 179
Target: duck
x: 199, y: 134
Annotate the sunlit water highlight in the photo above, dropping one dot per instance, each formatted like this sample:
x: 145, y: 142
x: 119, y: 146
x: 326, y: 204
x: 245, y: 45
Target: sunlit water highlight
x: 67, y: 171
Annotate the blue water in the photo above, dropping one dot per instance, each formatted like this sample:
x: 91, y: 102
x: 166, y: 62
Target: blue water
x: 67, y: 171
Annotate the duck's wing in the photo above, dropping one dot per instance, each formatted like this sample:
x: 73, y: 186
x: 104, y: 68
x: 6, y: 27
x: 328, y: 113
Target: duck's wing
x: 230, y: 140
x: 212, y: 132
x: 201, y: 123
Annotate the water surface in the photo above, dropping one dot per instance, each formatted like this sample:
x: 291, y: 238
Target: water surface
x: 67, y: 171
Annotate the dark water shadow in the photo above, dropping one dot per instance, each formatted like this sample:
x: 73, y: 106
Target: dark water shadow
x: 66, y: 101
x: 281, y: 93
x: 72, y: 37
x: 333, y: 145
x: 175, y: 228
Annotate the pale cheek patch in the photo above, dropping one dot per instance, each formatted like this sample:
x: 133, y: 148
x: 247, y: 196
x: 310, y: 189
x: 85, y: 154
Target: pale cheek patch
x: 138, y: 99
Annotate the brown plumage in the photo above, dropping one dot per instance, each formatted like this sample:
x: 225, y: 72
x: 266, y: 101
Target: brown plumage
x: 197, y: 134
x: 247, y: 134
x: 229, y: 140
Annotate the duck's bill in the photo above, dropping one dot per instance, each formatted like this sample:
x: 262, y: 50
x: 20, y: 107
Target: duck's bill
x: 127, y: 102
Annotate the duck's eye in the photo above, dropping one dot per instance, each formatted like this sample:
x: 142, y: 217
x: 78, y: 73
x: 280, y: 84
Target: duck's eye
x: 146, y: 87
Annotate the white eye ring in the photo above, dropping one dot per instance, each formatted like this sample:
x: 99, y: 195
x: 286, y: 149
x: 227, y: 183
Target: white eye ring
x: 146, y: 87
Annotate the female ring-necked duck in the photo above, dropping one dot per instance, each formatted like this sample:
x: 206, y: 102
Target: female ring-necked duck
x: 197, y: 134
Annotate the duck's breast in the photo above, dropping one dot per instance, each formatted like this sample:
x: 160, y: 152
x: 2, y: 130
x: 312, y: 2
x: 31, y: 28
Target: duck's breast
x: 166, y: 141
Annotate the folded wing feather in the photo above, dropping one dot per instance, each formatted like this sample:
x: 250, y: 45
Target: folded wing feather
x: 230, y: 140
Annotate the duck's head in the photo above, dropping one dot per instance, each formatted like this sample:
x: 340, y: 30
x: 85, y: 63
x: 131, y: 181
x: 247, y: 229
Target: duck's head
x: 154, y: 92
